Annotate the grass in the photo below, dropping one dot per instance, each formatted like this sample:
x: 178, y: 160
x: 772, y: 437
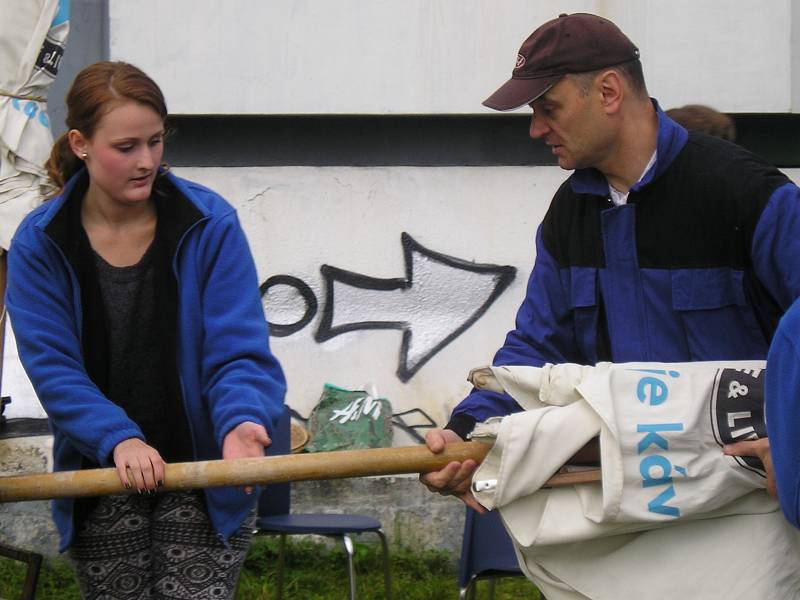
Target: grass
x: 313, y: 572
x: 56, y: 580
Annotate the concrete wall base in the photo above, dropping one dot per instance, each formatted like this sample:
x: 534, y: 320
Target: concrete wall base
x: 412, y: 517
x: 27, y: 525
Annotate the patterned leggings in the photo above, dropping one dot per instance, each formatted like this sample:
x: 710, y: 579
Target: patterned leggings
x: 163, y: 546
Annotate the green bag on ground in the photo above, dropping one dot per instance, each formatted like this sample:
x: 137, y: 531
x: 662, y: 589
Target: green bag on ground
x: 349, y: 419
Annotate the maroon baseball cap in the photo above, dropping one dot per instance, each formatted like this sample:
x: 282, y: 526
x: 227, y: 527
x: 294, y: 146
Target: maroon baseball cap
x: 574, y: 43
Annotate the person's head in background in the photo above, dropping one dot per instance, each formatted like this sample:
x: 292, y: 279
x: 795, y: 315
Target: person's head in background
x: 697, y: 117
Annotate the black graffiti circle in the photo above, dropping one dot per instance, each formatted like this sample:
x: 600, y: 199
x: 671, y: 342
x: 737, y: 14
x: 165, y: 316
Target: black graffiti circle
x: 306, y: 293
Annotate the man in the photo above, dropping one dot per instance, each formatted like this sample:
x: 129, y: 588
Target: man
x: 661, y: 246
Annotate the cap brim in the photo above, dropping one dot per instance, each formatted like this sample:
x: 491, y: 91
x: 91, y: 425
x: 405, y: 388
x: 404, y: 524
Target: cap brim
x: 516, y: 93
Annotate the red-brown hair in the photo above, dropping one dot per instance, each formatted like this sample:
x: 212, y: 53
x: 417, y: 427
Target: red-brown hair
x: 697, y: 117
x: 95, y: 91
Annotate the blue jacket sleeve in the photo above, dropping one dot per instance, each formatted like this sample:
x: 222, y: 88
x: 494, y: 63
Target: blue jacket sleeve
x: 776, y: 245
x: 782, y: 399
x: 544, y: 332
x: 242, y: 380
x: 43, y: 305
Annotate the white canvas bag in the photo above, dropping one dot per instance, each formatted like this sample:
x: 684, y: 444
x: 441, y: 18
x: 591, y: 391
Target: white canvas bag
x: 661, y: 429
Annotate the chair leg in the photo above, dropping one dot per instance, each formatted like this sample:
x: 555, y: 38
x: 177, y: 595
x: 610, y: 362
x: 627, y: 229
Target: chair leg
x: 469, y: 590
x: 492, y: 587
x: 348, y: 547
x: 34, y: 562
x: 281, y: 564
x: 387, y: 572
x: 31, y: 577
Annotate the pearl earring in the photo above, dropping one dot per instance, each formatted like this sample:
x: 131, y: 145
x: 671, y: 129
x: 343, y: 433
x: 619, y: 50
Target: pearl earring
x: 84, y: 155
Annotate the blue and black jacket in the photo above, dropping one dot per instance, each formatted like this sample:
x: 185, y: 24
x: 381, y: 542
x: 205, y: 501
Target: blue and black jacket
x: 699, y: 264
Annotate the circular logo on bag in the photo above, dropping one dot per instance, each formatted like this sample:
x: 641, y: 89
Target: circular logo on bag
x: 737, y: 411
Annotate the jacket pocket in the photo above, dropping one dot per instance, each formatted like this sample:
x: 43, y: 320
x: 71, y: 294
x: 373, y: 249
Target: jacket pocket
x: 580, y: 289
x: 718, y: 322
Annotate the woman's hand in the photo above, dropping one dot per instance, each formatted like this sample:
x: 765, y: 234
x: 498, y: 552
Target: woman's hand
x: 246, y: 440
x: 144, y: 463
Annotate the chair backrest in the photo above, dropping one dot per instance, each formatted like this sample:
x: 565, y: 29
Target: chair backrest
x: 485, y: 547
x: 275, y: 499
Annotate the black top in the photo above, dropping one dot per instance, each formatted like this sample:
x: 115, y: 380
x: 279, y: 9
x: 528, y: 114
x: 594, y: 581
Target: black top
x: 136, y: 378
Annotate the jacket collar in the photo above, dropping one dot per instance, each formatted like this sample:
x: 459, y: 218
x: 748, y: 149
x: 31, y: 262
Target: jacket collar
x: 177, y: 210
x: 671, y: 140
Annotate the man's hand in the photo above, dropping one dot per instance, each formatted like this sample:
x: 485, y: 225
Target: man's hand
x: 758, y: 448
x: 454, y: 479
x: 246, y: 440
x: 143, y: 461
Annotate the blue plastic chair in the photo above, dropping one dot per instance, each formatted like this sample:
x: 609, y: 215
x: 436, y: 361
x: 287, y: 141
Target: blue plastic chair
x: 275, y: 518
x: 486, y: 553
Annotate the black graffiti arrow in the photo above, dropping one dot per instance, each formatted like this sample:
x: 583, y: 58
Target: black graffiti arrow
x: 439, y: 298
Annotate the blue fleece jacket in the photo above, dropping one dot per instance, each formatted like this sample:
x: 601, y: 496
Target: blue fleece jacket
x: 226, y: 371
x: 782, y: 400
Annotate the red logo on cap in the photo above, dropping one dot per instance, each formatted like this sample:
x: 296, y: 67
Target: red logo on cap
x: 520, y: 61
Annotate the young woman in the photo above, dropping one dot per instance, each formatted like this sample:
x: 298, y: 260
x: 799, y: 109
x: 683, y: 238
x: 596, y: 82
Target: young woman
x: 135, y: 305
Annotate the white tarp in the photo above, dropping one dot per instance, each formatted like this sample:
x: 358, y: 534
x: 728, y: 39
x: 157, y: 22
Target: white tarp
x: 32, y: 38
x: 666, y: 484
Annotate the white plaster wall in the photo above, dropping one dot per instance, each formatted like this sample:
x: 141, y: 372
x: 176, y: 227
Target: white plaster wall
x: 16, y: 384
x: 299, y: 218
x: 442, y: 56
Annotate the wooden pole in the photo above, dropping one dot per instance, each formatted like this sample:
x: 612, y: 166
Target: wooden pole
x: 260, y: 471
